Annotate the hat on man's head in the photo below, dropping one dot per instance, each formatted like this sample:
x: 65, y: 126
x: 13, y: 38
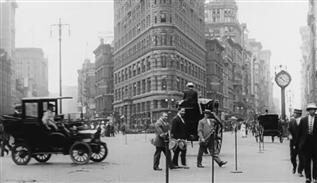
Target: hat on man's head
x: 233, y: 118
x: 207, y: 111
x: 311, y: 106
x: 190, y: 84
x: 298, y: 111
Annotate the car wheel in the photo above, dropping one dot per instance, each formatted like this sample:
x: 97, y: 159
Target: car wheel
x: 99, y: 152
x: 80, y: 153
x: 42, y: 158
x: 21, y: 154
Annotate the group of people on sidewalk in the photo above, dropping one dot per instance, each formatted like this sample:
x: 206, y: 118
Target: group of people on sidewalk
x: 206, y: 129
x: 303, y: 143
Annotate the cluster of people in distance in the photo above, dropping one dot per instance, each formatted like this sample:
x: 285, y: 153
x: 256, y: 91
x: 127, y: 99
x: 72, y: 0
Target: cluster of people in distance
x: 303, y: 143
x: 206, y: 128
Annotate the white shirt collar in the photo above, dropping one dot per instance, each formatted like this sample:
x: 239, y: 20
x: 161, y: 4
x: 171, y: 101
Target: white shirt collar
x: 181, y: 118
x: 297, y: 120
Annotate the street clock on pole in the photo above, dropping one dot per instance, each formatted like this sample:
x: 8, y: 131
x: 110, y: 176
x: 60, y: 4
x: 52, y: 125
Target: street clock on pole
x: 283, y: 79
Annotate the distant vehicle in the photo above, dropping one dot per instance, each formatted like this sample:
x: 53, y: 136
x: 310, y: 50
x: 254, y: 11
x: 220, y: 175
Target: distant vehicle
x: 271, y: 125
x: 33, y: 140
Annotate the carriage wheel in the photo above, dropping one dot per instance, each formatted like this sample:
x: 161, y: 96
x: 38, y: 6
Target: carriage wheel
x: 21, y: 154
x: 80, y: 153
x: 42, y: 158
x: 99, y: 152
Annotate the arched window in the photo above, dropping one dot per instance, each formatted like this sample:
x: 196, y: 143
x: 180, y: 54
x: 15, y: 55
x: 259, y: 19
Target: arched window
x: 163, y: 17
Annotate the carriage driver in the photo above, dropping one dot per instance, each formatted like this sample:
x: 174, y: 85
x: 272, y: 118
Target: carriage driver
x: 48, y: 117
x: 190, y: 95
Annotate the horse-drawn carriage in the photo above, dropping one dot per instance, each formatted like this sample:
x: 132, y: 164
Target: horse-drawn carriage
x: 271, y: 126
x: 195, y: 113
x: 33, y: 140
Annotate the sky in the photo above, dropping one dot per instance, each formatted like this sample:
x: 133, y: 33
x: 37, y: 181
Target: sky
x: 275, y: 23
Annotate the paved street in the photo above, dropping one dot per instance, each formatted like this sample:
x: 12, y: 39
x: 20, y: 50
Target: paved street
x: 132, y: 162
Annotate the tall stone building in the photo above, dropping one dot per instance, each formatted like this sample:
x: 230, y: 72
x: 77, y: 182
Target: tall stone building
x: 261, y: 78
x: 87, y: 89
x: 31, y: 72
x: 104, y: 79
x: 223, y: 25
x: 159, y: 46
x: 5, y: 82
x: 215, y: 73
x: 221, y: 17
x: 7, y: 44
x: 309, y: 61
x: 305, y: 66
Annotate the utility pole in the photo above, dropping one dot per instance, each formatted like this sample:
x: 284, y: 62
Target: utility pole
x: 60, y: 27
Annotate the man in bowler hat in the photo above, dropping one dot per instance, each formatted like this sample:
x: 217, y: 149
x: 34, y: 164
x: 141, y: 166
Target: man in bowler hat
x: 307, y: 142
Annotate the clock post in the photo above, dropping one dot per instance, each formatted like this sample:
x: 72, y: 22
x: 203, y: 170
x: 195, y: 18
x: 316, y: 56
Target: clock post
x: 283, y: 79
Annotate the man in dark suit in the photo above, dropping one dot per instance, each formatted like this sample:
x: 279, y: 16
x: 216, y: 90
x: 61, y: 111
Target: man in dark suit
x: 294, y: 152
x: 307, y: 142
x: 178, y: 132
x: 161, y: 132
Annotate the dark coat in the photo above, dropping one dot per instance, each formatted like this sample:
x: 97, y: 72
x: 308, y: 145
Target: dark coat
x: 178, y: 130
x: 190, y: 96
x: 303, y: 134
x: 293, y: 130
x: 161, y: 130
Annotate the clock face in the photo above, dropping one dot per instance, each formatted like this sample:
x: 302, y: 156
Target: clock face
x: 283, y: 79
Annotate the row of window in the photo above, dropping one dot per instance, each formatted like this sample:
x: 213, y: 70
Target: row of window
x: 159, y: 39
x: 142, y: 109
x: 126, y: 36
x: 154, y: 83
x: 195, y: 33
x: 163, y: 60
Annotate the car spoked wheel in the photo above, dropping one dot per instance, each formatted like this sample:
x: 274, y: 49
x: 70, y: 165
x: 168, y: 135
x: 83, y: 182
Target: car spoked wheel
x: 21, y: 154
x: 42, y: 158
x: 80, y: 153
x: 99, y: 152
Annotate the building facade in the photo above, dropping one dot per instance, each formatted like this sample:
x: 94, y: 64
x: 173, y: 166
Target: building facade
x: 221, y: 18
x: 215, y: 73
x: 87, y: 89
x: 7, y: 42
x: 104, y: 79
x: 223, y: 25
x: 5, y: 83
x: 309, y: 56
x: 31, y: 72
x: 159, y: 46
x: 306, y: 71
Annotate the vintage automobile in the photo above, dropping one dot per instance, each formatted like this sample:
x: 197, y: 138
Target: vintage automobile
x: 192, y: 117
x: 33, y: 140
x: 271, y: 126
